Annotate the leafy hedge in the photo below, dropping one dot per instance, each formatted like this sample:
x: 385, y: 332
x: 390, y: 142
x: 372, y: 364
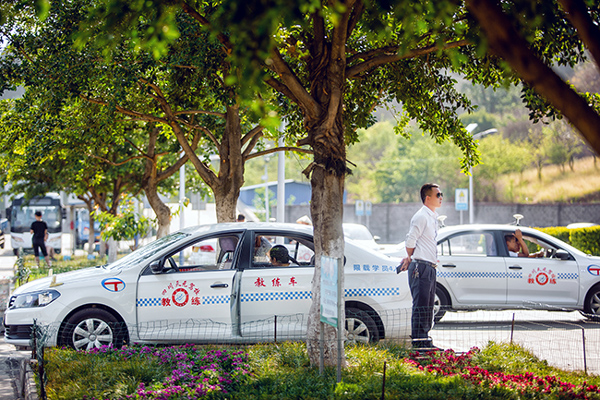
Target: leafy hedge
x: 584, y: 239
x: 559, y: 232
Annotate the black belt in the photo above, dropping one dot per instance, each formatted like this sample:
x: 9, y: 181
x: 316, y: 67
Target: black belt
x: 428, y: 263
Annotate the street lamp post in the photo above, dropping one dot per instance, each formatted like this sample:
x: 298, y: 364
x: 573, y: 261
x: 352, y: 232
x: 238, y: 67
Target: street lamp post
x: 470, y: 128
x: 266, y: 178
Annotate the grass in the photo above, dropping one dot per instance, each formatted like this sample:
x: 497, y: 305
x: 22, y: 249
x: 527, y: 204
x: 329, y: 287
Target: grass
x: 556, y: 185
x: 283, y: 371
x: 32, y: 271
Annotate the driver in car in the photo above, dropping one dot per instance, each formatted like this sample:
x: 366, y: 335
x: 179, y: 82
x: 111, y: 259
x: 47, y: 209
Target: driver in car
x: 280, y: 256
x: 517, y: 247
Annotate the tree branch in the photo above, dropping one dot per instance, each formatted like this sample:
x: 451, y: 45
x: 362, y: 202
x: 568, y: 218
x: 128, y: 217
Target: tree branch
x: 506, y: 42
x: 281, y: 88
x: 390, y: 58
x: 228, y: 47
x: 291, y: 81
x: 117, y: 164
x: 254, y: 132
x: 138, y: 115
x: 193, y: 112
x: 277, y: 149
x: 577, y: 13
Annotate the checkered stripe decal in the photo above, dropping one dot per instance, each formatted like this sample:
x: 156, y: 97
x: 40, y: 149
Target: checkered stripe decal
x: 222, y: 299
x: 500, y: 275
x: 475, y: 274
x: 567, y: 275
x: 157, y: 301
x: 371, y: 292
x: 271, y: 296
x: 151, y: 302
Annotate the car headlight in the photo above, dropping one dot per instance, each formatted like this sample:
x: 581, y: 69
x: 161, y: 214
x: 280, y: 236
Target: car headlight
x: 33, y: 299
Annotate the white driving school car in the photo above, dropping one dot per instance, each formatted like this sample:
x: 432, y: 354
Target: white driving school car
x: 206, y: 284
x: 475, y: 272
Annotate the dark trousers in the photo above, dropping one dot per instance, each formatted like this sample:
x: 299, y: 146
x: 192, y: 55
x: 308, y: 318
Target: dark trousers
x: 421, y: 278
x: 37, y: 246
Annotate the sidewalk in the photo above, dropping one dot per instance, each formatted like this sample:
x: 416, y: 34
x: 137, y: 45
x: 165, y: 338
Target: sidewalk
x: 16, y: 381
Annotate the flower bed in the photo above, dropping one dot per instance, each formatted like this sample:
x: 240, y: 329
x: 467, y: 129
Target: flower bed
x: 448, y: 363
x: 191, y: 372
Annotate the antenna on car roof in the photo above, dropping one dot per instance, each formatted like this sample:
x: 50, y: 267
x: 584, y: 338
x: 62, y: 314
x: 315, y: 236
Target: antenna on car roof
x: 442, y: 219
x: 518, y: 218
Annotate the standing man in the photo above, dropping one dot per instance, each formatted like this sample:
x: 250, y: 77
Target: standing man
x: 421, y: 247
x: 39, y: 230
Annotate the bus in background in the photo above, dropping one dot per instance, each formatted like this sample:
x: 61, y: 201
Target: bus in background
x: 82, y: 227
x: 21, y: 214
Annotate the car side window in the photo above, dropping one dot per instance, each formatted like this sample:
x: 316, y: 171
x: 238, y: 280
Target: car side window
x: 296, y: 252
x: 474, y: 244
x: 540, y: 247
x: 208, y: 254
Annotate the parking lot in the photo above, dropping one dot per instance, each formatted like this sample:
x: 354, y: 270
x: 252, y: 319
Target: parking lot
x: 560, y: 337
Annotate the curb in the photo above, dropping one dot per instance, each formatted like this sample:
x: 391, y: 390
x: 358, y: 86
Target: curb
x: 25, y: 380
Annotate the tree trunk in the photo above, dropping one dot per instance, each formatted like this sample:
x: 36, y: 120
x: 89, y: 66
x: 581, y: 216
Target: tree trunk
x: 227, y: 182
x: 326, y: 207
x: 162, y: 211
x: 92, y: 234
x: 112, y: 250
x: 327, y: 212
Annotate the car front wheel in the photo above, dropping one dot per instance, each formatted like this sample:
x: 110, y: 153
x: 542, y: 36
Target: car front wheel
x: 591, y: 307
x: 92, y: 328
x: 360, y: 327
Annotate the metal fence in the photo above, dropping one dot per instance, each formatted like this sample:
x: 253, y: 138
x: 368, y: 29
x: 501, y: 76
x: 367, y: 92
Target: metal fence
x: 565, y: 339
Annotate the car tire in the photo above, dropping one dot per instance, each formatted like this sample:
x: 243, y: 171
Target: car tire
x: 92, y: 328
x: 360, y: 327
x: 591, y: 306
x: 441, y: 303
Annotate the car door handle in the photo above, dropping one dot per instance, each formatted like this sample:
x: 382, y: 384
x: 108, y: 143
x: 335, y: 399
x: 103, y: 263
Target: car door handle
x: 448, y: 265
x: 219, y: 285
x: 515, y: 267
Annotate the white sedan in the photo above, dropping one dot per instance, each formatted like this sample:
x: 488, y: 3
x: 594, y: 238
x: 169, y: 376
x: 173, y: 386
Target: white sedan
x: 208, y: 284
x: 475, y: 272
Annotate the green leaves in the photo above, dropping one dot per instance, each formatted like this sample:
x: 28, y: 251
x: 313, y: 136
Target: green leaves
x: 125, y: 225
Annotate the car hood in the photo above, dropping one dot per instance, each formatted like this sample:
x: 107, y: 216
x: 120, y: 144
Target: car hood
x: 61, y: 280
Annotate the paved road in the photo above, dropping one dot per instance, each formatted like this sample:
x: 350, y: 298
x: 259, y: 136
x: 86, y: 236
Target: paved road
x: 10, y: 358
x: 566, y: 340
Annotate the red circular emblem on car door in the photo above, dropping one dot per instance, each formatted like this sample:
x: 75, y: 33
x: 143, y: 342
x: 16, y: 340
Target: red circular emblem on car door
x: 541, y: 278
x: 180, y: 297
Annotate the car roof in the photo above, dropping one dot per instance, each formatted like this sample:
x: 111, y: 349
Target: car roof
x: 264, y: 226
x: 235, y: 226
x: 485, y: 227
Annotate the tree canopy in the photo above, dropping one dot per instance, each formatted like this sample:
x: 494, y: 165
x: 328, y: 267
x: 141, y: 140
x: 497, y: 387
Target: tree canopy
x: 330, y: 63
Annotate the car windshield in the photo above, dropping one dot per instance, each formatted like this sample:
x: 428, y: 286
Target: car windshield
x: 357, y: 232
x: 143, y: 253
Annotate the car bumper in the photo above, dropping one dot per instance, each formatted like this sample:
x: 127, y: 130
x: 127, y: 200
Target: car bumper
x: 18, y: 335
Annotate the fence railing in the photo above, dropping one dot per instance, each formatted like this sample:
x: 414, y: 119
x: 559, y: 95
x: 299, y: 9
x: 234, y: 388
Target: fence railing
x: 565, y: 339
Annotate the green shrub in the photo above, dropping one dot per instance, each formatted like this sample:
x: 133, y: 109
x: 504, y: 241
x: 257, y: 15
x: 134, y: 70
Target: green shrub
x: 587, y: 240
x: 559, y: 232
x: 584, y: 239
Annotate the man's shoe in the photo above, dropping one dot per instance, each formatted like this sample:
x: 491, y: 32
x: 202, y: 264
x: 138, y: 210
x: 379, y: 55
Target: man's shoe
x: 425, y: 345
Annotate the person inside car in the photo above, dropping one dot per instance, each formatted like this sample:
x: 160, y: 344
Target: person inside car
x: 261, y: 248
x: 517, y: 247
x: 280, y: 257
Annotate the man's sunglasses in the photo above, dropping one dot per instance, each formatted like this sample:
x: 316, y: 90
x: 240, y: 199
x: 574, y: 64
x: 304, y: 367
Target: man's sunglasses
x: 439, y: 195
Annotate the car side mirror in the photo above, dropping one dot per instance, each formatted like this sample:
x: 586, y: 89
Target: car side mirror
x: 562, y: 255
x: 376, y: 238
x: 156, y: 267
